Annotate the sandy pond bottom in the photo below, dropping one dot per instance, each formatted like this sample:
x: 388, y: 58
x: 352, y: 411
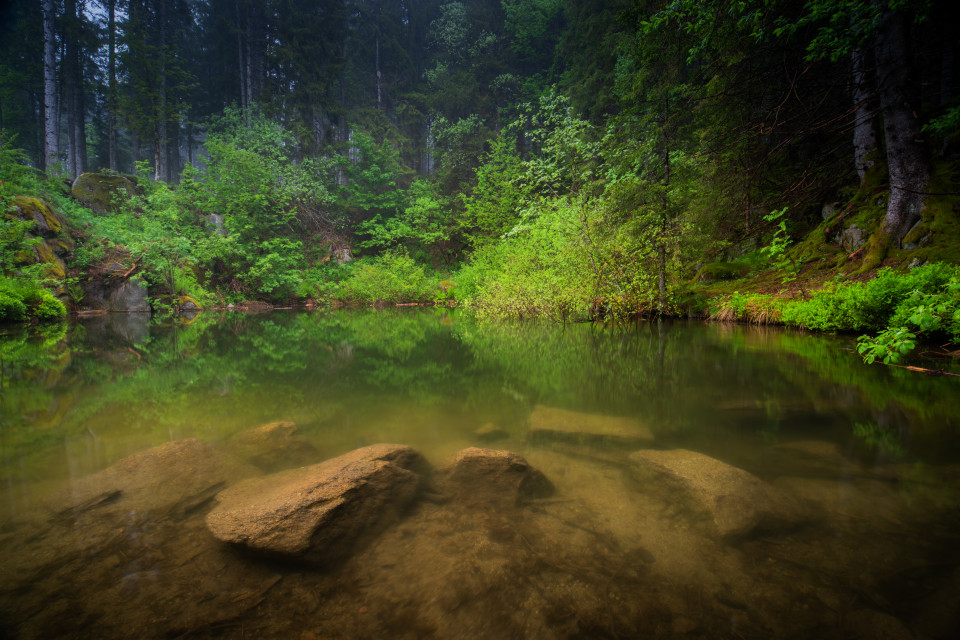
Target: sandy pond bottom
x: 126, y: 553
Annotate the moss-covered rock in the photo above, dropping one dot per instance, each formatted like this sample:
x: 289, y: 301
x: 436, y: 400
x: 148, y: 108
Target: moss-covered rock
x: 48, y: 222
x: 55, y: 267
x: 713, y: 271
x: 104, y: 192
x: 187, y: 303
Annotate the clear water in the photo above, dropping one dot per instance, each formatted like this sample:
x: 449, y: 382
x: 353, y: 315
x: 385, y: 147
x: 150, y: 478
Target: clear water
x: 93, y: 546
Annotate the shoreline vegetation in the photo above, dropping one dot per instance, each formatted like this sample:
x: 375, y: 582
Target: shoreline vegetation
x: 567, y: 161
x: 61, y: 256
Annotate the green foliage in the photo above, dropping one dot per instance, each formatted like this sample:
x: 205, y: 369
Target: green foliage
x: 945, y: 124
x: 776, y: 251
x: 393, y: 277
x: 276, y: 269
x: 16, y: 175
x: 49, y: 308
x: 539, y: 269
x: 932, y: 308
x: 494, y: 206
x: 891, y: 297
x: 426, y: 226
x: 12, y: 308
x: 887, y: 346
x: 373, y: 180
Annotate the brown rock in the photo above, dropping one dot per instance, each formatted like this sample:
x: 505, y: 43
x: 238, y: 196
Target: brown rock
x: 551, y: 424
x: 735, y: 501
x: 487, y: 476
x: 179, y: 475
x: 319, y: 512
x: 490, y: 433
x: 273, y: 445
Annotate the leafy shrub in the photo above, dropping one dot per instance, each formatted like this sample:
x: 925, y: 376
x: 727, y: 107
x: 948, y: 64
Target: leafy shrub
x: 49, y: 307
x: 391, y: 278
x: 12, y: 308
x: 871, y: 305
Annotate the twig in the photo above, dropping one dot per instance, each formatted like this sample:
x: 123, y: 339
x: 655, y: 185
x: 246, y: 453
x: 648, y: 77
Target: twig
x: 932, y: 372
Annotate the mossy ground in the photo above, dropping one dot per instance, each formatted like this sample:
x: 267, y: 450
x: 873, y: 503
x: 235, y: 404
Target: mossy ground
x: 817, y: 260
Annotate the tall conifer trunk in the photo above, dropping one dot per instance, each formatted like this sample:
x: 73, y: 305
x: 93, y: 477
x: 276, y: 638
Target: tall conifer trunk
x: 112, y: 84
x: 864, y: 138
x: 50, y: 142
x: 907, y: 159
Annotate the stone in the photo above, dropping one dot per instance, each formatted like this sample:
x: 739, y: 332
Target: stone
x: 178, y: 474
x: 48, y: 222
x: 493, y: 477
x: 104, y: 192
x: 490, y: 433
x: 129, y: 296
x: 322, y: 512
x: 273, y: 445
x: 865, y: 624
x: 829, y: 210
x: 214, y: 223
x: 548, y: 424
x: 852, y: 238
x: 735, y: 502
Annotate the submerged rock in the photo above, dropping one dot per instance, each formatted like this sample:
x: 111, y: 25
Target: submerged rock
x: 490, y: 433
x: 875, y: 625
x: 321, y: 511
x: 487, y: 476
x: 273, y: 445
x: 180, y: 475
x: 737, y: 502
x: 550, y: 424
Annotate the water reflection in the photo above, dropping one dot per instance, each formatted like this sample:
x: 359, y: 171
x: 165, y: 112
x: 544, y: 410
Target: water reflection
x: 96, y: 543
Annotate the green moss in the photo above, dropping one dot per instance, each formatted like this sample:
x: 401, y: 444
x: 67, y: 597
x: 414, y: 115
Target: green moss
x: 38, y: 211
x: 872, y: 187
x: 714, y: 271
x: 188, y: 303
x: 941, y: 220
x: 916, y: 235
x: 875, y: 251
x: 55, y: 267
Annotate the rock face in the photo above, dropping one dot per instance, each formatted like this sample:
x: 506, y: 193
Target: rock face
x: 130, y: 296
x: 104, y: 192
x: 548, y: 423
x: 486, y: 476
x: 318, y: 513
x: 273, y: 445
x: 736, y: 502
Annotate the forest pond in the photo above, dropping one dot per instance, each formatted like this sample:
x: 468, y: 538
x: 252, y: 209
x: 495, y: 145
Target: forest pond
x: 708, y: 480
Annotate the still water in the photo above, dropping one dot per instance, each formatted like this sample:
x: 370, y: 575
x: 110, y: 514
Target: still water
x: 117, y: 434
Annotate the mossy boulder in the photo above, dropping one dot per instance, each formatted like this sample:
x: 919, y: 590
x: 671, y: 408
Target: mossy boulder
x: 104, y: 192
x: 714, y: 271
x: 54, y: 265
x: 48, y: 222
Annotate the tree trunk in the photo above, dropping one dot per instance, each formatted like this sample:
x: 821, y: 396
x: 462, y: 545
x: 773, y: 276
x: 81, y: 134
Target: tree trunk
x: 112, y: 84
x: 864, y: 138
x: 50, y: 143
x: 240, y: 59
x: 160, y: 130
x: 907, y: 159
x: 377, y: 44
